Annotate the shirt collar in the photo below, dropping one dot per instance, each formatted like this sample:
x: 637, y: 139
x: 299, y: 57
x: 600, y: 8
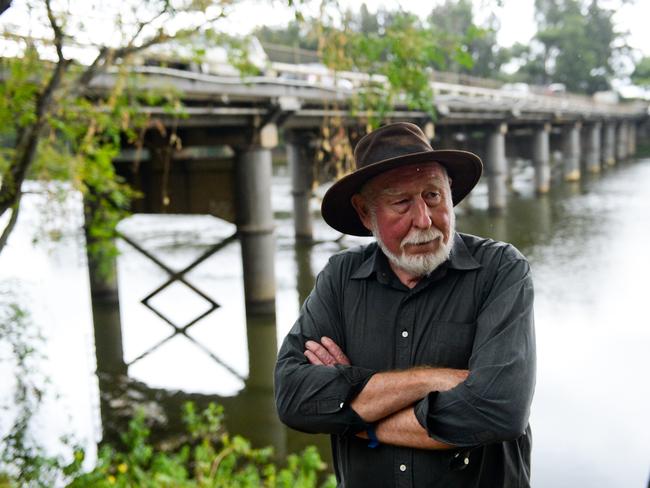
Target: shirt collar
x: 459, y: 258
x: 370, y: 266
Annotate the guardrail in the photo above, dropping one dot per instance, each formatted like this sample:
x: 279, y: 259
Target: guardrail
x: 342, y: 84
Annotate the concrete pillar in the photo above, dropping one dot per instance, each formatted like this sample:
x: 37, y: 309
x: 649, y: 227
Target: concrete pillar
x: 592, y: 148
x: 105, y: 303
x: 496, y: 166
x: 571, y: 151
x: 621, y: 141
x: 609, y: 141
x: 301, y: 182
x: 631, y: 138
x: 542, y: 158
x: 255, y: 228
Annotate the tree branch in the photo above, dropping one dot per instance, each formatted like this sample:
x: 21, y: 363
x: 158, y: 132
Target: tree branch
x: 58, y: 32
x: 102, y: 60
x: 11, y: 224
x: 27, y: 140
x: 106, y: 55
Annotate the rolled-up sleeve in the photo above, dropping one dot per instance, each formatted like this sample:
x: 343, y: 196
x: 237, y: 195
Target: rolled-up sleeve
x: 313, y: 398
x: 493, y: 404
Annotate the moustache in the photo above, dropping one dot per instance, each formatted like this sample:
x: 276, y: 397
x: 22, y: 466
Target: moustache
x: 421, y: 237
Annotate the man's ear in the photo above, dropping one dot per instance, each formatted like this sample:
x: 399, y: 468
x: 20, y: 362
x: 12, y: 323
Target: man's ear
x: 363, y: 211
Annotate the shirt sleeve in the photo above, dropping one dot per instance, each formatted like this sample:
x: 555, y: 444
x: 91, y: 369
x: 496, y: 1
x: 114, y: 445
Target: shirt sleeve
x: 314, y: 398
x: 493, y: 404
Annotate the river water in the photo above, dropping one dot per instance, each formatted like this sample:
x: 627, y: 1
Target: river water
x: 585, y: 242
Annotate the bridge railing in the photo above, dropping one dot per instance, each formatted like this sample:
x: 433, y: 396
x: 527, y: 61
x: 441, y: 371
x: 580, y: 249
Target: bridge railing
x: 349, y: 80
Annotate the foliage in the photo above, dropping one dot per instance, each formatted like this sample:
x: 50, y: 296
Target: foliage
x: 641, y: 73
x: 398, y: 59
x: 576, y: 44
x: 471, y: 49
x: 24, y: 461
x: 211, y: 458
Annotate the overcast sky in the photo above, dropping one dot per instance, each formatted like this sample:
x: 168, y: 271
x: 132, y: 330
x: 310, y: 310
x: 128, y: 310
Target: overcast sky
x: 516, y: 16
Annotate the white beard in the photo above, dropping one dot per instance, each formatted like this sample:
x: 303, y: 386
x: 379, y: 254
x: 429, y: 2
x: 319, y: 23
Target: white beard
x: 419, y: 264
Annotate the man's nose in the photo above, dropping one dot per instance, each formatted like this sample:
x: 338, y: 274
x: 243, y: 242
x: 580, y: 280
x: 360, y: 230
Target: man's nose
x: 421, y: 218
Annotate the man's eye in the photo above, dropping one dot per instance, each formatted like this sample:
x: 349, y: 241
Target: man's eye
x: 404, y: 201
x: 432, y: 195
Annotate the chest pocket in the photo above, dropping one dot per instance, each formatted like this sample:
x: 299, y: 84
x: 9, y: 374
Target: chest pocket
x: 449, y: 344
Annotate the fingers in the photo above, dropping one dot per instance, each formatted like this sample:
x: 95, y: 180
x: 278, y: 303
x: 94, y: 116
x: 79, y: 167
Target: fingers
x: 333, y: 348
x: 319, y: 353
x: 326, y: 353
x: 313, y: 359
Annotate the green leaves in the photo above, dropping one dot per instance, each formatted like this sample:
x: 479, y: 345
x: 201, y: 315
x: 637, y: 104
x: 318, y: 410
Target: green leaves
x: 575, y: 45
x: 211, y: 459
x: 398, y: 59
x: 641, y: 74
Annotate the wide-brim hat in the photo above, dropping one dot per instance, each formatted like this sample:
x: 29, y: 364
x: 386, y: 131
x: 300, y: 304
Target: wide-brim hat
x: 386, y: 148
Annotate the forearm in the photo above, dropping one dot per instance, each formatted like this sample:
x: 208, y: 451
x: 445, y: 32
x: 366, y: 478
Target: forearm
x: 389, y: 392
x: 403, y: 429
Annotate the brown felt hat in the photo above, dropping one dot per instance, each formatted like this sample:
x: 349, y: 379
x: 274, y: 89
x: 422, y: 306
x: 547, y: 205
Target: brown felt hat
x: 386, y: 148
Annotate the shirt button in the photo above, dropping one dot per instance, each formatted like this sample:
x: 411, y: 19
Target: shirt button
x: 402, y: 467
x: 405, y: 333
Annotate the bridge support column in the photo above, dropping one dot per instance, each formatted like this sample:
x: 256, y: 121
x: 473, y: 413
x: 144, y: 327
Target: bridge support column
x: 571, y: 151
x: 609, y: 141
x: 497, y: 169
x: 301, y: 181
x: 631, y: 138
x: 105, y: 303
x: 592, y: 148
x: 255, y: 228
x: 621, y: 141
x: 541, y: 158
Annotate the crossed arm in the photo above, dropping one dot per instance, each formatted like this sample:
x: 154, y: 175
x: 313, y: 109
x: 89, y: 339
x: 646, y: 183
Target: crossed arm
x: 388, y: 397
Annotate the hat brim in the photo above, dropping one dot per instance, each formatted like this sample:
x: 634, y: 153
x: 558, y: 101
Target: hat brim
x: 463, y: 167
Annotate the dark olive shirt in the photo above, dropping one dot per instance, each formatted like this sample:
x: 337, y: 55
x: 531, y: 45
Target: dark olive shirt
x: 473, y: 312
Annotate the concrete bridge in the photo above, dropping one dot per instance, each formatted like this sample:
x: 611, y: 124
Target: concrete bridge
x: 216, y: 158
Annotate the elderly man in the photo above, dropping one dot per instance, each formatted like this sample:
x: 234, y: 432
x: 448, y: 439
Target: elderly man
x: 417, y: 352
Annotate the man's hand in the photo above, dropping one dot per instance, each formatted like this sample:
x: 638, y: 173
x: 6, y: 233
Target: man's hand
x: 325, y: 353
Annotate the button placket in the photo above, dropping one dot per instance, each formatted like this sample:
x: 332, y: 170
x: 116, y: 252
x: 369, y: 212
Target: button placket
x: 404, y: 325
x: 404, y: 468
